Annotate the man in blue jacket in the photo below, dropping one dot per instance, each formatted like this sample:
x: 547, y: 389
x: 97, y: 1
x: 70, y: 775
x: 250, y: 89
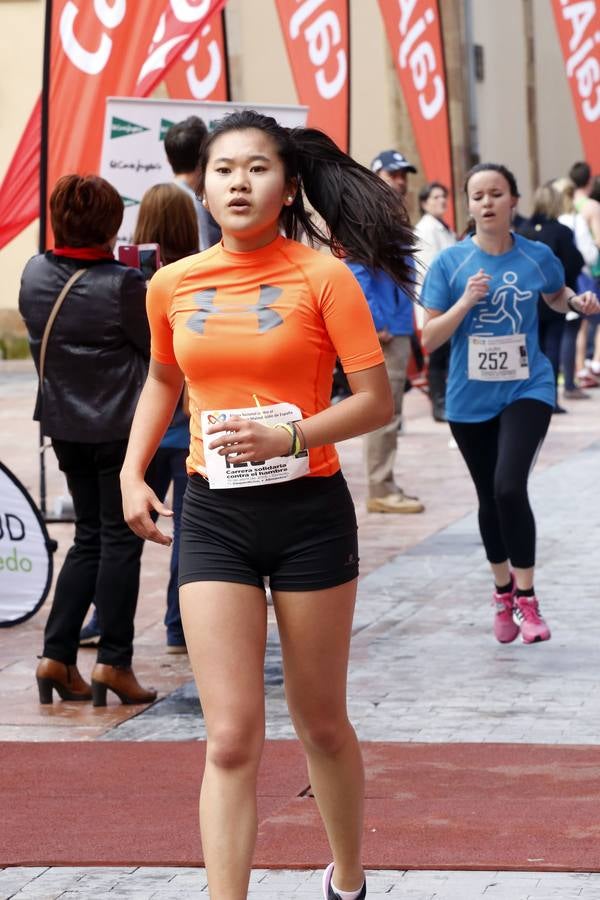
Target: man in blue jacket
x: 393, y: 317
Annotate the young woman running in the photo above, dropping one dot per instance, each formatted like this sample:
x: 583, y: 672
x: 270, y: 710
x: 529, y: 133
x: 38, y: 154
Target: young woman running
x: 255, y: 324
x: 483, y: 294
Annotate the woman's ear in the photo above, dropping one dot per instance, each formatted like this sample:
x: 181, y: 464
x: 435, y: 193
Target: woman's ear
x: 291, y: 190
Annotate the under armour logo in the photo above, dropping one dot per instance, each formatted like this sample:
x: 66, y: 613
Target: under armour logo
x: 267, y: 318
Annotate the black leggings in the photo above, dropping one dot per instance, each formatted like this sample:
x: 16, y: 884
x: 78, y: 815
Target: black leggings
x: 500, y: 454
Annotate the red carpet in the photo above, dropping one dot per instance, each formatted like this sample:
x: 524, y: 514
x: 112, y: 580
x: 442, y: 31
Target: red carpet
x: 438, y: 806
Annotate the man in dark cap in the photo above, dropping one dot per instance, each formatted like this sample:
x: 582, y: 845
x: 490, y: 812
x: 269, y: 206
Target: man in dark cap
x: 393, y: 168
x: 392, y: 315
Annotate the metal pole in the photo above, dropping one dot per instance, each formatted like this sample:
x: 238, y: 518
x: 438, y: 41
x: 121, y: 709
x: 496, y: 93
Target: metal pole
x: 43, y: 201
x: 44, y: 130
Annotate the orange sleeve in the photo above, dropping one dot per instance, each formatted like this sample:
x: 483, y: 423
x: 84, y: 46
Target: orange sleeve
x: 348, y: 319
x: 158, y: 304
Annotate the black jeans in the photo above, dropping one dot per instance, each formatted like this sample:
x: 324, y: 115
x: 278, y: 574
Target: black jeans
x: 104, y: 562
x: 551, y: 334
x: 499, y: 454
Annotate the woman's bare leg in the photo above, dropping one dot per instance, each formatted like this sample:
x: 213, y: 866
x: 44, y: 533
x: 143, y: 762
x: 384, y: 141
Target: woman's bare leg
x: 225, y: 632
x: 315, y: 629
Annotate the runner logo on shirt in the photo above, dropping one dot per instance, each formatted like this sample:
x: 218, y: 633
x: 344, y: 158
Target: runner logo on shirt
x: 503, y: 307
x: 267, y: 318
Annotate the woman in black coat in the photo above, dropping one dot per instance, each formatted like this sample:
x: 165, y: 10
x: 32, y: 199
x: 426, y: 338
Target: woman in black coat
x: 544, y: 226
x: 95, y: 366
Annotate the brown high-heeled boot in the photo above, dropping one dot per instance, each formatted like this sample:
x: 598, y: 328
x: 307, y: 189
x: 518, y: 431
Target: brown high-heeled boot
x: 66, y: 681
x: 122, y: 681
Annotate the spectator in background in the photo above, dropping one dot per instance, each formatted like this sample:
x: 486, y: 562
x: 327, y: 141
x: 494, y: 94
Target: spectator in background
x: 434, y: 235
x: 167, y: 217
x: 94, y: 369
x: 392, y: 312
x: 183, y: 142
x: 393, y: 168
x: 591, y: 353
x: 581, y: 176
x: 573, y: 322
x: 544, y: 226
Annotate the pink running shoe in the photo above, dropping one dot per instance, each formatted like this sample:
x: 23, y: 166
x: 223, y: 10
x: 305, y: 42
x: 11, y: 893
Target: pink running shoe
x: 506, y: 628
x: 527, y: 616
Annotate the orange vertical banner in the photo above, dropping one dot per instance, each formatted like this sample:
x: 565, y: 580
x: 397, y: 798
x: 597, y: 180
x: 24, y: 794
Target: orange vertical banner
x: 415, y: 36
x: 93, y: 50
x: 316, y: 35
x: 201, y: 72
x: 578, y: 25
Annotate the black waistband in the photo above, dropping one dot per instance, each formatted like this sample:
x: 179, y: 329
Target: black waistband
x: 307, y: 486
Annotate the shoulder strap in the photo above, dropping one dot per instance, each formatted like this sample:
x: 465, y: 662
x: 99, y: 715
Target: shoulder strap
x: 55, y: 310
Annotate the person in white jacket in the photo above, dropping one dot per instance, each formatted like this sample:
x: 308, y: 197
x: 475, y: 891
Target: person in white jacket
x: 591, y: 255
x: 434, y: 235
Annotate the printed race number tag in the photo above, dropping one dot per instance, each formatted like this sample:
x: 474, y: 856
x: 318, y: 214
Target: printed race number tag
x: 498, y: 358
x: 224, y: 473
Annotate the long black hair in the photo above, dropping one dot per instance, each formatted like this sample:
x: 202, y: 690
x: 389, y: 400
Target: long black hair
x: 365, y: 218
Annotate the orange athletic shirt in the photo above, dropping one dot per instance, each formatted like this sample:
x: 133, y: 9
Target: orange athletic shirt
x: 268, y: 322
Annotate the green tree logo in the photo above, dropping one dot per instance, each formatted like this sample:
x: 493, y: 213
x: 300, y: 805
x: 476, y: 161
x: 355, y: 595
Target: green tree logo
x: 123, y: 128
x: 165, y: 124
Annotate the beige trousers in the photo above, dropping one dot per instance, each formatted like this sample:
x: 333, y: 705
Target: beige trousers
x: 380, y: 446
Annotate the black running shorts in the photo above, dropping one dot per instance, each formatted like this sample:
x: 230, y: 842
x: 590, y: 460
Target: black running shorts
x: 300, y: 533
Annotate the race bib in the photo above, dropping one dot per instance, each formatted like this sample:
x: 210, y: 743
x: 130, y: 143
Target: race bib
x: 223, y: 473
x: 498, y: 358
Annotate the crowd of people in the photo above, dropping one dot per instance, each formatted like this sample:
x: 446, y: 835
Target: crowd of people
x: 217, y: 380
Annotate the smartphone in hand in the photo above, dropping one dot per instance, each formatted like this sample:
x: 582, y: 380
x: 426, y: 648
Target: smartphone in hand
x: 145, y: 257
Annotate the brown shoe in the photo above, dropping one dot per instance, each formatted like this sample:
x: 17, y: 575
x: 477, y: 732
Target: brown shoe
x: 66, y: 681
x: 122, y: 681
x: 395, y: 503
x: 575, y: 394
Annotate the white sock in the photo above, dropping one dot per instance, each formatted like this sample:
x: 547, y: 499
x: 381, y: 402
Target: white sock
x: 346, y: 895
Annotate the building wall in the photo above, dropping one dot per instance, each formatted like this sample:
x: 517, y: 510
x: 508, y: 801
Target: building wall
x: 22, y: 30
x: 559, y: 143
x: 501, y: 104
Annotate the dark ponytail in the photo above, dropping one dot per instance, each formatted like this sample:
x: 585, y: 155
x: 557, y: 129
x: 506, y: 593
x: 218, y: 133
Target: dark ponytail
x: 365, y: 218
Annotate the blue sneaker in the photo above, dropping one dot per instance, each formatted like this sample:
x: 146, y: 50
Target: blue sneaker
x: 329, y: 893
x: 90, y: 633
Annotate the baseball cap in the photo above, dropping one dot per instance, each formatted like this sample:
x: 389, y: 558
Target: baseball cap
x: 391, y: 161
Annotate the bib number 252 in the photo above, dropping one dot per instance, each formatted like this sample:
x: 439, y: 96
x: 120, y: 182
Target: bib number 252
x: 493, y: 360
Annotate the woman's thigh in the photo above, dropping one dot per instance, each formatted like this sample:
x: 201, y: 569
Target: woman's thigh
x: 225, y: 626
x: 478, y: 445
x: 315, y: 628
x: 523, y: 427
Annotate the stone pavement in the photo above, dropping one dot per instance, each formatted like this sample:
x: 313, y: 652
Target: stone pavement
x: 424, y: 665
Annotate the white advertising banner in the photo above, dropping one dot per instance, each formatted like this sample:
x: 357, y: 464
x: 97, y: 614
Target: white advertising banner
x: 133, y: 154
x: 25, y: 553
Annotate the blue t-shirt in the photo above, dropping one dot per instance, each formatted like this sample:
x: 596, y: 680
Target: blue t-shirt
x: 390, y: 306
x: 510, y: 307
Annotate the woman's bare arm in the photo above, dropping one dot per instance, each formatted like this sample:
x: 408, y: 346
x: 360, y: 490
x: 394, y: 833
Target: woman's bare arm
x: 370, y: 406
x: 154, y: 411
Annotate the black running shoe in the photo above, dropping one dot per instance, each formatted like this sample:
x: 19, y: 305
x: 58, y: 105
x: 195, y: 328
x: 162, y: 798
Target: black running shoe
x: 329, y: 893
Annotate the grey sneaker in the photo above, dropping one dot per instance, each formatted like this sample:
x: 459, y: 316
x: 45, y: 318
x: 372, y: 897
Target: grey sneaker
x: 329, y: 893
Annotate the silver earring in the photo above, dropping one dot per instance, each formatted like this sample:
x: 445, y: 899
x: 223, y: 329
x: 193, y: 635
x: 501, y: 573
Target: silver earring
x: 204, y: 201
x: 290, y: 199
